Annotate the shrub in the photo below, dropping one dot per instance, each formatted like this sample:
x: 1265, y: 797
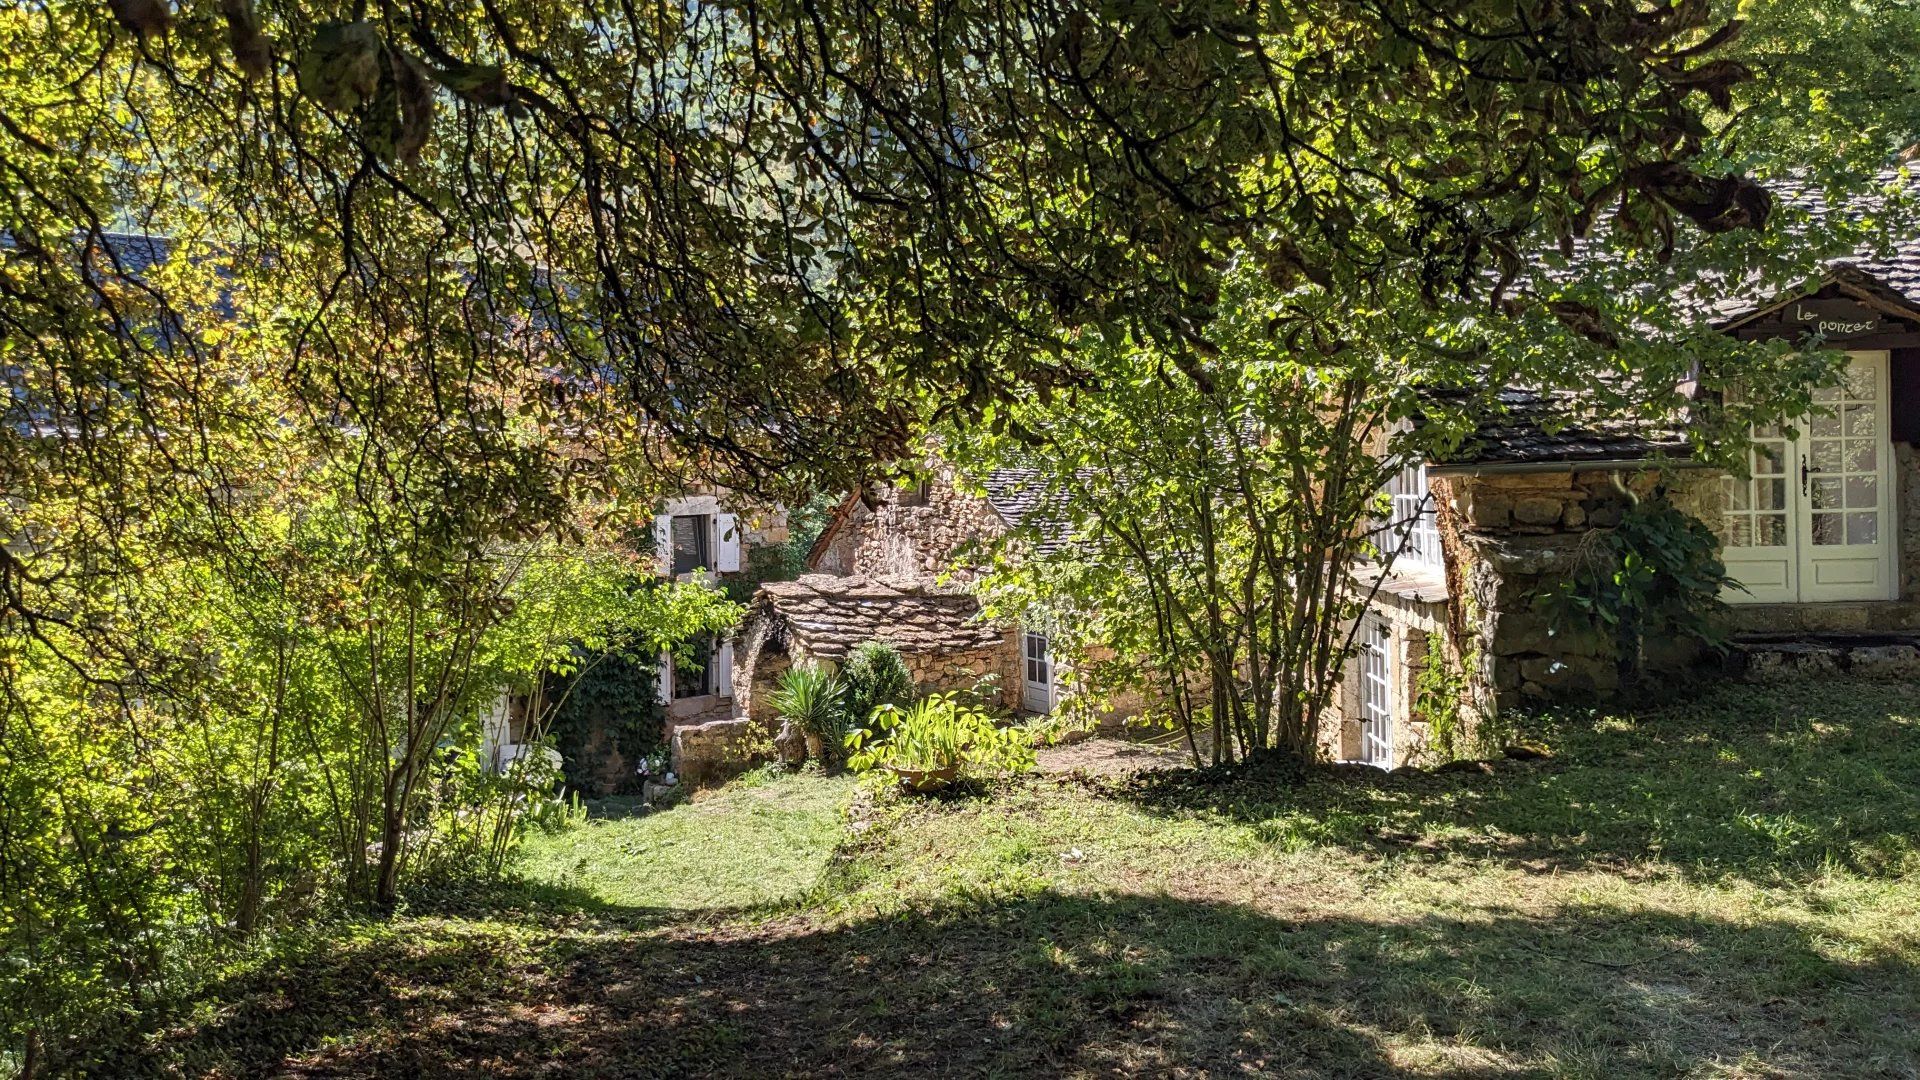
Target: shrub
x: 935, y: 735
x: 814, y: 699
x: 876, y: 675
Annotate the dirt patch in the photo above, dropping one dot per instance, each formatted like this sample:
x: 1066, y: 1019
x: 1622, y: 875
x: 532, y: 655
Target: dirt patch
x: 1108, y: 755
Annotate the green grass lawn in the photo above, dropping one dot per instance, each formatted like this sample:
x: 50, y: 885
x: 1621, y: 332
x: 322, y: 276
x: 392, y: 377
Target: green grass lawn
x: 1726, y: 886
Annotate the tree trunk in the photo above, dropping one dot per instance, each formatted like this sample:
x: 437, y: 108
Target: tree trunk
x: 386, y: 889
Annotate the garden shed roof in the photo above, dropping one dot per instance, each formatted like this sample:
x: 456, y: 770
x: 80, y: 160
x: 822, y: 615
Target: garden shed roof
x: 825, y: 616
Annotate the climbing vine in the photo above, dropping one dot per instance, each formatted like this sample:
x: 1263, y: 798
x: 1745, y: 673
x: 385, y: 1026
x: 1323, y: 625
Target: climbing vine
x: 1440, y: 690
x: 618, y: 697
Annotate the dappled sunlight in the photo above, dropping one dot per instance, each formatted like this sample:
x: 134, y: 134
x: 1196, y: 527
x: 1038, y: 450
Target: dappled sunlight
x: 1095, y: 985
x: 1737, y: 781
x: 1715, y: 888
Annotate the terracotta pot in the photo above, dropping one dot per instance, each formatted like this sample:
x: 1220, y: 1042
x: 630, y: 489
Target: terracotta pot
x: 924, y: 780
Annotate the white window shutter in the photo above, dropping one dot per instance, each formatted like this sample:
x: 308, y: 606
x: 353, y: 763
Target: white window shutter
x: 723, y: 669
x: 726, y: 529
x: 663, y: 544
x: 666, y: 678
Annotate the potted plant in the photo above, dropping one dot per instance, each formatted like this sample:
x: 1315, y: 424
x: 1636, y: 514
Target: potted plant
x: 928, y: 745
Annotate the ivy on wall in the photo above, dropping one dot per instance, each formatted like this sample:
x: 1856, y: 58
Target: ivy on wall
x: 618, y: 697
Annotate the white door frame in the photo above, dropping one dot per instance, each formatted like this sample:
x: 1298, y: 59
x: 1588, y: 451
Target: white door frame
x: 1817, y: 523
x: 1376, y: 695
x: 1036, y: 672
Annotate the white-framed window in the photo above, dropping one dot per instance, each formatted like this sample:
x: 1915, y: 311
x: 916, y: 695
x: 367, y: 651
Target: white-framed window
x: 1412, y: 532
x: 695, y: 534
x: 705, y: 670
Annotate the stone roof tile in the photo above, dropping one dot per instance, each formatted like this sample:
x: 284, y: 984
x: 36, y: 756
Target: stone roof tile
x: 826, y: 616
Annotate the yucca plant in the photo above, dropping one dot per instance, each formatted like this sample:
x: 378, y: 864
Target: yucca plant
x: 814, y: 698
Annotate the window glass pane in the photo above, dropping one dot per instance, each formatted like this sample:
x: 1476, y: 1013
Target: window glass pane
x: 1863, y: 528
x: 1860, y: 383
x: 1738, y: 492
x: 1824, y: 426
x: 1770, y: 530
x: 1826, y: 393
x: 1826, y: 454
x: 1859, y: 421
x: 1770, y: 495
x: 1860, y: 456
x: 1739, y: 531
x: 1827, y: 492
x: 690, y: 671
x: 689, y: 543
x: 1827, y: 530
x: 1769, y: 459
x: 1863, y: 492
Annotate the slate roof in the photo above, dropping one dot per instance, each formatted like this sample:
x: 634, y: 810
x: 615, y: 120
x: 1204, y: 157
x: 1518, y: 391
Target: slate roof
x: 1018, y: 496
x: 825, y: 616
x: 1534, y: 427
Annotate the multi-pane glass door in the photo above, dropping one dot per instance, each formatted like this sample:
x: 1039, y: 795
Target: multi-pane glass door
x: 1813, y: 522
x: 1037, y: 691
x: 1376, y: 696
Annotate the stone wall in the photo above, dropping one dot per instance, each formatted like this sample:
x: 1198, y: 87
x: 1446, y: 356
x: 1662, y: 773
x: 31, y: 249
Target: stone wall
x: 710, y: 752
x: 965, y: 669
x: 913, y: 535
x: 927, y: 536
x: 1520, y: 535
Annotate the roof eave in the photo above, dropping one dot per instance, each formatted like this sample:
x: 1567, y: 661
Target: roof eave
x: 1863, y: 285
x: 1514, y: 468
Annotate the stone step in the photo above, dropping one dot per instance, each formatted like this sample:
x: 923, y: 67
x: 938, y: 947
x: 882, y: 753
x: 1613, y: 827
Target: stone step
x: 1773, y: 657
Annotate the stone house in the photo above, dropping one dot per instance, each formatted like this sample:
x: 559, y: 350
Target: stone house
x: 896, y: 569
x: 702, y: 535
x: 1822, y: 539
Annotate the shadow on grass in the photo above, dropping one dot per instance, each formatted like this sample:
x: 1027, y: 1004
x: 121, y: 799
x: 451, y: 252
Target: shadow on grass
x: 1770, y: 783
x: 1048, y: 985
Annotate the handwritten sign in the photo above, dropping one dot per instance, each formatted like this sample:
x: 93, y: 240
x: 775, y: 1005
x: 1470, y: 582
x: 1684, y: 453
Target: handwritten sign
x: 1835, y: 320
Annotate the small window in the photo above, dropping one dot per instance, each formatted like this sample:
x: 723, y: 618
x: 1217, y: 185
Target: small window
x: 1412, y: 533
x: 690, y: 532
x: 914, y: 494
x: 692, y: 674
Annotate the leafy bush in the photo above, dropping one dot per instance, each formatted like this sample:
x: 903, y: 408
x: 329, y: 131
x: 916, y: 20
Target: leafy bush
x: 814, y: 699
x: 1657, y: 576
x: 875, y: 675
x: 935, y: 734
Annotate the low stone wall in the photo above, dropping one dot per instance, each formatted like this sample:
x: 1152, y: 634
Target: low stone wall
x: 1514, y: 538
x: 711, y: 752
x: 964, y: 669
x: 1790, y: 660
